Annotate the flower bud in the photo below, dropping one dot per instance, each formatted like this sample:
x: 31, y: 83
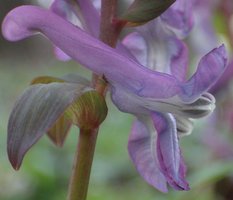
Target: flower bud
x: 89, y: 110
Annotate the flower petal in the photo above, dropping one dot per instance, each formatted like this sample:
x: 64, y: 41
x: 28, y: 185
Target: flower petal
x: 91, y: 17
x: 153, y: 147
x: 159, y: 49
x: 91, y: 53
x: 120, y: 70
x: 179, y: 17
x: 168, y: 150
x: 142, y: 150
x: 137, y: 46
x: 210, y: 68
x: 84, y: 11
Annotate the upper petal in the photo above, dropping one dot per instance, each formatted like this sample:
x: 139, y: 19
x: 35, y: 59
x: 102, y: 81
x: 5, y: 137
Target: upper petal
x: 120, y: 70
x: 179, y: 17
x: 90, y: 52
x: 159, y: 49
x: 209, y: 70
x: 85, y: 12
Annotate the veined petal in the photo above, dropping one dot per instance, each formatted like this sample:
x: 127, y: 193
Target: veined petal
x: 27, y: 20
x: 209, y: 69
x: 153, y: 147
x: 137, y: 46
x: 168, y: 150
x: 120, y: 70
x: 179, y: 17
x: 91, y: 17
x: 62, y: 9
x: 159, y: 49
x: 142, y: 150
x: 84, y: 11
x: 127, y: 101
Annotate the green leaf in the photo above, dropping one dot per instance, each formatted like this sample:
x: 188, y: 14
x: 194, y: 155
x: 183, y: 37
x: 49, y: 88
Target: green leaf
x: 34, y: 114
x: 60, y: 130
x: 46, y: 80
x: 142, y: 11
x: 69, y: 78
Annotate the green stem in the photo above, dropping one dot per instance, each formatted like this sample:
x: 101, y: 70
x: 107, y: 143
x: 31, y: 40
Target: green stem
x: 110, y: 29
x: 82, y: 165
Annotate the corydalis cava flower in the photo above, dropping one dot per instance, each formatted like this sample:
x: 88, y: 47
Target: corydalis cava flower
x: 82, y: 13
x: 150, y: 95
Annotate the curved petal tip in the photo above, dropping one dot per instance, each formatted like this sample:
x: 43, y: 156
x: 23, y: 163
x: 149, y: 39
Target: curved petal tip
x: 13, y: 24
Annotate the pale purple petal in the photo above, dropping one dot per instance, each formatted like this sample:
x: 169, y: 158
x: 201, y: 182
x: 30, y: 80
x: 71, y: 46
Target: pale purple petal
x: 61, y: 55
x: 90, y: 52
x: 179, y: 17
x: 62, y: 9
x: 153, y: 148
x: 137, y: 46
x: 168, y: 151
x: 209, y: 69
x: 91, y: 17
x: 164, y: 51
x: 142, y: 150
x: 88, y: 16
x: 179, y: 58
x: 119, y: 69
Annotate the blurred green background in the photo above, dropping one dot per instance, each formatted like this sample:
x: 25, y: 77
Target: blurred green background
x: 46, y: 169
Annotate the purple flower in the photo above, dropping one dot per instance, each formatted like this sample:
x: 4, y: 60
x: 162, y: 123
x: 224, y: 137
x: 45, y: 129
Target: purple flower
x: 162, y: 102
x: 179, y: 17
x: 82, y: 14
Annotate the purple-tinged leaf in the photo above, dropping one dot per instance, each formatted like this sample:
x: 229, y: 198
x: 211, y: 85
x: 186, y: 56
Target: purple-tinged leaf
x: 35, y: 112
x: 62, y: 126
